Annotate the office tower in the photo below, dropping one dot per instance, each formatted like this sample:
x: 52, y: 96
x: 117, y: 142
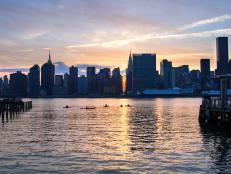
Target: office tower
x: 5, y: 87
x: 82, y: 85
x: 194, y: 76
x: 34, y: 81
x: 92, y: 82
x: 117, y: 81
x: 104, y: 81
x: 73, y: 80
x: 59, y: 80
x: 143, y: 72
x: 129, y: 74
x: 59, y: 90
x: 18, y: 84
x: 205, y: 73
x: 181, y: 76
x: 229, y: 67
x: 5, y: 80
x: 1, y: 86
x: 48, y: 77
x: 222, y: 55
x: 166, y: 74
x: 66, y: 82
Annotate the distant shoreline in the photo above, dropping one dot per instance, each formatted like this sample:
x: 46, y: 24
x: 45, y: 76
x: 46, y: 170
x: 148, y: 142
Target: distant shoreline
x: 119, y: 97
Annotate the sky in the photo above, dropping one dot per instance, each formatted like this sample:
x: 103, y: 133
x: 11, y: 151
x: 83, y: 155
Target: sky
x: 103, y: 32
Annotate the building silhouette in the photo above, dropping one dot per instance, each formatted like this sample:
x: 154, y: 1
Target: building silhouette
x: 181, y: 74
x: 92, y: 82
x: 129, y: 74
x: 59, y: 80
x: 82, y: 85
x: 117, y: 81
x: 222, y: 55
x: 18, y: 84
x: 205, y: 74
x: 73, y: 80
x: 166, y: 74
x: 143, y: 72
x: 104, y: 81
x: 48, y: 76
x: 66, y: 82
x: 34, y: 81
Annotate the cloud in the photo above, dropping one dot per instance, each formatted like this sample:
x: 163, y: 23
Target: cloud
x: 62, y: 68
x: 119, y: 43
x: 33, y: 35
x: 207, y: 21
x: 24, y: 51
x: 12, y: 70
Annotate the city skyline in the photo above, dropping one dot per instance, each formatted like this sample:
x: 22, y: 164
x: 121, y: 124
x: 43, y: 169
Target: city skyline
x: 104, y: 32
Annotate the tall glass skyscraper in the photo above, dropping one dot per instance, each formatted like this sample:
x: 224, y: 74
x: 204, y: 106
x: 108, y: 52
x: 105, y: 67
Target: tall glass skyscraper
x: 222, y: 55
x: 143, y: 72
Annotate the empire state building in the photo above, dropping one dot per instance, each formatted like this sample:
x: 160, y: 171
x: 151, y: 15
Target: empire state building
x: 48, y: 76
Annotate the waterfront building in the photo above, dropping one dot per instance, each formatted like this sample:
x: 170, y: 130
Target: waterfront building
x: 5, y: 88
x: 34, y: 81
x: 205, y: 74
x: 117, y: 81
x: 222, y: 55
x: 59, y: 80
x: 104, y: 82
x: 82, y: 85
x: 129, y: 75
x: 166, y: 74
x: 73, y: 80
x: 1, y: 86
x: 18, y: 84
x: 194, y: 76
x: 48, y: 77
x: 143, y: 72
x: 92, y: 82
x: 181, y: 76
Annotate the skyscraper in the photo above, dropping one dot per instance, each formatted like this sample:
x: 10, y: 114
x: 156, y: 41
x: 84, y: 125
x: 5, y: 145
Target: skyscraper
x: 129, y: 74
x: 205, y: 73
x: 222, y: 55
x: 143, y: 72
x: 82, y: 85
x: 34, y: 81
x: 181, y: 75
x: 117, y: 81
x: 59, y: 80
x: 18, y: 84
x: 48, y: 76
x: 166, y: 74
x: 104, y: 81
x: 73, y: 80
x: 91, y: 78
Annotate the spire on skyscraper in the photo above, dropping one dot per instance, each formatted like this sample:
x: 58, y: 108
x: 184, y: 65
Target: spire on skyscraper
x: 130, y: 56
x: 49, y: 58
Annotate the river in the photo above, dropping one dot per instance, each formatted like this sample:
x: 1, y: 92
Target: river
x: 159, y: 135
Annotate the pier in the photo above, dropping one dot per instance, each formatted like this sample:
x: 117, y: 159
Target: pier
x: 217, y: 110
x: 9, y: 108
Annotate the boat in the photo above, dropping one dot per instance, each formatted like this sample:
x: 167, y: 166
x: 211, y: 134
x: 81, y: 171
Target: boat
x: 106, y: 105
x: 88, y: 107
x: 66, y: 107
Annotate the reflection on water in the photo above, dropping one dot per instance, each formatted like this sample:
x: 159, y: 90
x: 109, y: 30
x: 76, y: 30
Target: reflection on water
x: 218, y: 144
x: 152, y: 135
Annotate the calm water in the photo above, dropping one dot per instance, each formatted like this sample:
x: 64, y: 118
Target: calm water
x: 153, y: 136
